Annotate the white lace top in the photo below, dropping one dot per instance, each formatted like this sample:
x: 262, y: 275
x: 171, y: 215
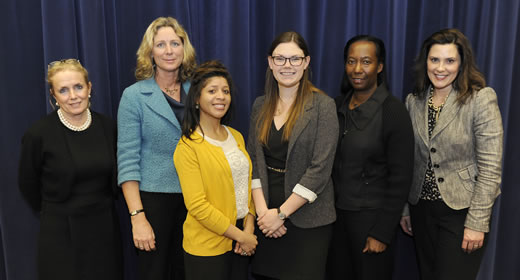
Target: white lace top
x: 239, y: 170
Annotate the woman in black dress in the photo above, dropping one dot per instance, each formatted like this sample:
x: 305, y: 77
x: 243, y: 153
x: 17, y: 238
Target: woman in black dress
x: 67, y: 173
x: 292, y: 139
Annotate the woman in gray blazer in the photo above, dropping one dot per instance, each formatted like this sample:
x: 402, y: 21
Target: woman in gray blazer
x: 458, y: 152
x: 292, y: 140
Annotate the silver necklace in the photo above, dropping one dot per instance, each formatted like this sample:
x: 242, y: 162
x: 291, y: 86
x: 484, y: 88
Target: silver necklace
x: 72, y: 127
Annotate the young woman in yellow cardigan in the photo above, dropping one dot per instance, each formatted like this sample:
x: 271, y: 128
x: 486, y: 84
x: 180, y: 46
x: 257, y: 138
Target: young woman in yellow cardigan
x: 215, y: 174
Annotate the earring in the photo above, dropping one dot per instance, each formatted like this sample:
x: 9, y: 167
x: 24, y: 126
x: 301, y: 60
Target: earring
x: 57, y: 104
x: 197, y: 106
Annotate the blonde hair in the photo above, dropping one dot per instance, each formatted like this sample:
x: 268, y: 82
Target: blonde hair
x: 145, y: 69
x: 71, y: 64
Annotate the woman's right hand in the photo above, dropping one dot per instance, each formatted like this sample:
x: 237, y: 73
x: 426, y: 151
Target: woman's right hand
x: 406, y: 225
x: 248, y: 242
x: 144, y: 237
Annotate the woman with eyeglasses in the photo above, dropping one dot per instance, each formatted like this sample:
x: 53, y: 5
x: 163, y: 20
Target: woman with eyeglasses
x: 149, y: 128
x: 292, y: 140
x: 68, y: 173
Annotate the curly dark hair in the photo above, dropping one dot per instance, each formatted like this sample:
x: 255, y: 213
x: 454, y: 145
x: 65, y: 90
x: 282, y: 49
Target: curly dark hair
x: 199, y: 79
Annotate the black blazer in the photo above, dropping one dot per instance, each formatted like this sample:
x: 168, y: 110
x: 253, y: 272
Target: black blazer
x: 374, y: 160
x: 40, y: 145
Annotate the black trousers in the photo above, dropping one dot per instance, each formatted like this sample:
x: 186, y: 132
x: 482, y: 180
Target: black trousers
x: 228, y: 266
x: 166, y: 213
x: 346, y: 258
x: 438, y: 232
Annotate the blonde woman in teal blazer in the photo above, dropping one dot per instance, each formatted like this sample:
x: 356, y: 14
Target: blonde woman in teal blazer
x: 149, y: 117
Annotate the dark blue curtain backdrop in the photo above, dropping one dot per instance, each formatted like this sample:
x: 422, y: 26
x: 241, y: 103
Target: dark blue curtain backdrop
x: 105, y: 35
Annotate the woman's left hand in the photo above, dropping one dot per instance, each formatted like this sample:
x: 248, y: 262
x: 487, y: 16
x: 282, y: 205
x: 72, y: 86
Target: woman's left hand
x: 374, y: 246
x: 241, y: 251
x: 473, y: 240
x: 270, y: 222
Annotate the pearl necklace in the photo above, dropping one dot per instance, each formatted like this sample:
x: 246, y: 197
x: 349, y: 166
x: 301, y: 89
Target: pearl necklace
x: 72, y: 127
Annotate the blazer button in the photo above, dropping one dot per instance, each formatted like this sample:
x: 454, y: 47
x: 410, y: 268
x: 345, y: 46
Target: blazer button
x: 433, y: 150
x: 440, y: 180
x: 436, y: 165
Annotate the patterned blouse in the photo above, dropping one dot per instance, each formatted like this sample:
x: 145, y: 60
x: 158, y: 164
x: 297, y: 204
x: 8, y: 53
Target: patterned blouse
x: 430, y: 190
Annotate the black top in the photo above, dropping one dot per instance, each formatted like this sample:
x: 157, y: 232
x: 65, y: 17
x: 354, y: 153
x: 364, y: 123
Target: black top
x: 275, y: 156
x: 90, y: 156
x: 57, y: 164
x: 374, y: 160
x: 177, y: 107
x: 430, y: 190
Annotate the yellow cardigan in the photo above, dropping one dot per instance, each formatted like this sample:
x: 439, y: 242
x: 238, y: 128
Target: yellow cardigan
x: 209, y: 194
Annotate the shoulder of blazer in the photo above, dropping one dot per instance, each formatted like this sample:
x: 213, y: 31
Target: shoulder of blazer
x: 45, y: 126
x: 147, y: 86
x: 109, y: 125
x: 257, y: 104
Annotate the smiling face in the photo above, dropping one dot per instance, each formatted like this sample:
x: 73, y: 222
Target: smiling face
x: 362, y: 66
x: 168, y: 50
x: 214, y: 100
x: 71, y: 91
x: 443, y: 64
x: 288, y: 75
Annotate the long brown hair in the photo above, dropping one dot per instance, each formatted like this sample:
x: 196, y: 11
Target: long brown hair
x: 468, y: 81
x: 304, y: 94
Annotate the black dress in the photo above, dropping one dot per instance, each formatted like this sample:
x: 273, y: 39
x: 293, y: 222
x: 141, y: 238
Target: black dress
x: 297, y: 254
x: 79, y: 235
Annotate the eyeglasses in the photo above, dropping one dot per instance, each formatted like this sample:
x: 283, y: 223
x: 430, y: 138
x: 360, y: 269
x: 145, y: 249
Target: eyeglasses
x: 66, y: 61
x: 281, y: 60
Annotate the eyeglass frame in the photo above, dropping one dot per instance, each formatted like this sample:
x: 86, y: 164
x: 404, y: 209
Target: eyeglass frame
x: 66, y: 60
x: 287, y: 58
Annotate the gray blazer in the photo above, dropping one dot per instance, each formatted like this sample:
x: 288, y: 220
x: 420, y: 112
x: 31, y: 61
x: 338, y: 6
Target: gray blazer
x: 466, y: 152
x: 310, y: 156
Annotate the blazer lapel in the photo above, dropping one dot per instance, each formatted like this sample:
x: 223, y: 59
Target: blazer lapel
x: 158, y: 103
x: 421, y: 119
x: 300, y: 124
x: 448, y: 113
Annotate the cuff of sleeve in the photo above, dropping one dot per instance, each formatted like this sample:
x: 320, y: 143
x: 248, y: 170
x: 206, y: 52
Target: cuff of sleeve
x: 305, y: 193
x: 256, y: 184
x: 480, y: 222
x: 406, y: 210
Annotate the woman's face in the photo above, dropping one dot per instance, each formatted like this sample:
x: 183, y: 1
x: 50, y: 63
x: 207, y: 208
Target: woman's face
x: 443, y: 65
x: 214, y: 99
x: 288, y: 73
x: 71, y: 92
x: 168, y: 50
x: 362, y: 66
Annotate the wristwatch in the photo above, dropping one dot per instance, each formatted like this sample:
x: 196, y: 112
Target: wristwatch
x: 135, y: 212
x: 281, y: 215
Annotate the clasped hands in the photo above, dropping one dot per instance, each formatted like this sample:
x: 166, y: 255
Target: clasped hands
x: 270, y: 224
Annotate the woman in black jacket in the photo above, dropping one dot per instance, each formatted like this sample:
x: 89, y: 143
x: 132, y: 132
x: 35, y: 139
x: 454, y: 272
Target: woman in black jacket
x: 373, y: 165
x: 68, y: 174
